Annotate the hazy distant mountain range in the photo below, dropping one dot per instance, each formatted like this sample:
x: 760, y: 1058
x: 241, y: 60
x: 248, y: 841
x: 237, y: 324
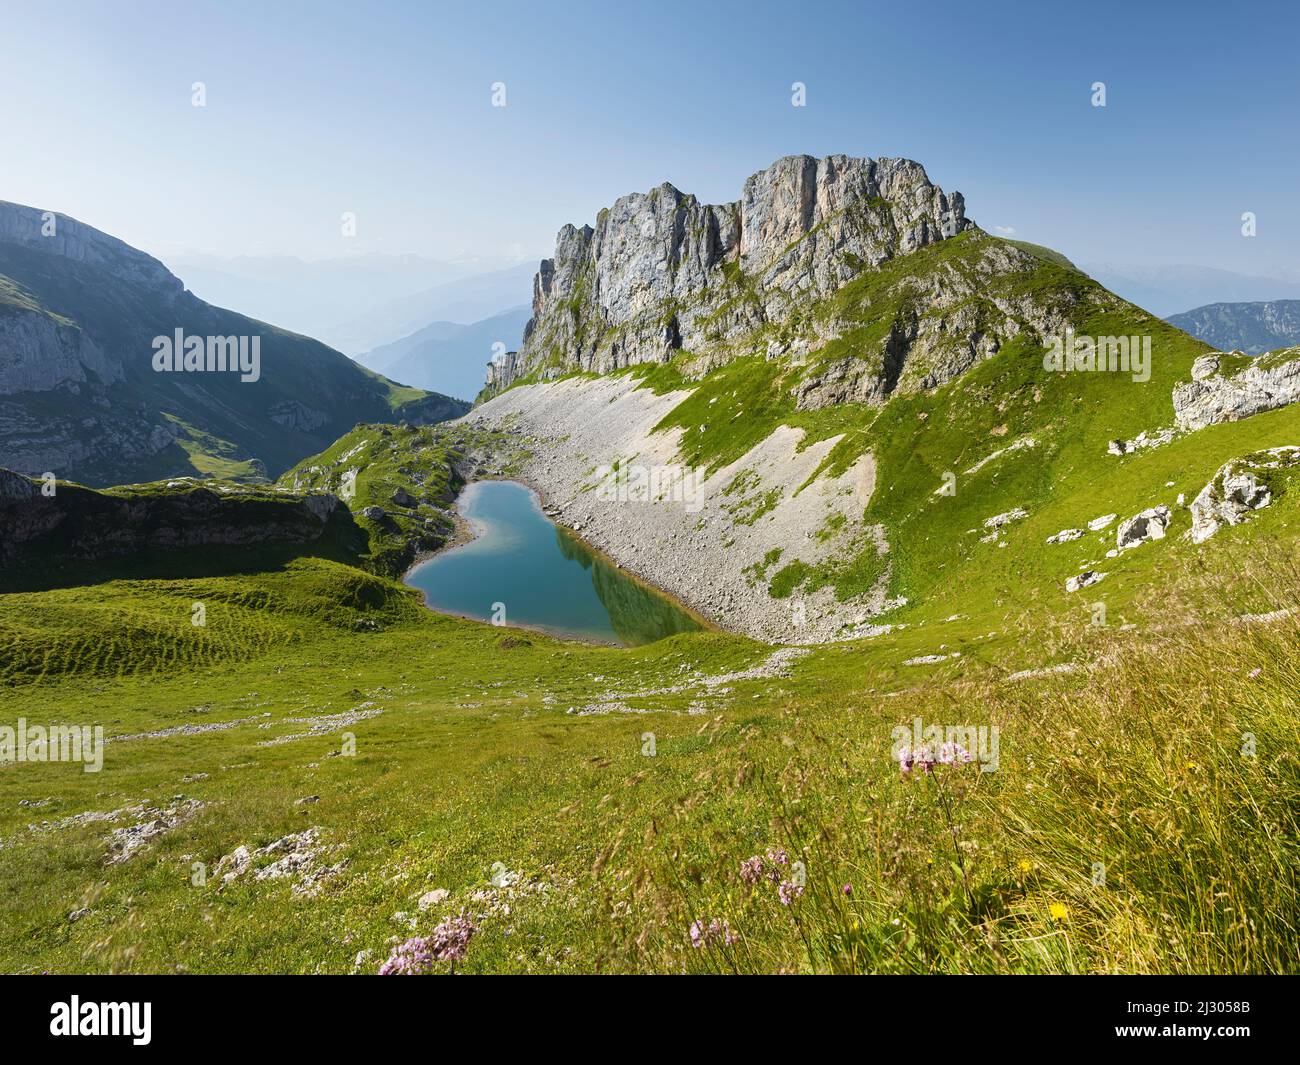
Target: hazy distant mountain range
x: 467, y: 300
x: 1250, y: 327
x: 1166, y: 290
x: 360, y: 302
x: 448, y: 357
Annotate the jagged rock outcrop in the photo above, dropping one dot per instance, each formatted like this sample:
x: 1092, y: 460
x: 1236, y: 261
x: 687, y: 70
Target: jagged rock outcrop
x: 501, y: 370
x: 1268, y: 382
x: 661, y: 272
x: 662, y: 277
x: 1239, y: 487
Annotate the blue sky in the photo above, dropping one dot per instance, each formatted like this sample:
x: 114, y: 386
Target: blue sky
x: 383, y: 109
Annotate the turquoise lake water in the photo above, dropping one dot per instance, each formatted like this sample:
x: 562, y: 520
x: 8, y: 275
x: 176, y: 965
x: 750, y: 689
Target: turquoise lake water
x: 541, y: 576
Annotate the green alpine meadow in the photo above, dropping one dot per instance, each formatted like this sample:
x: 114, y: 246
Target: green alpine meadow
x: 821, y: 582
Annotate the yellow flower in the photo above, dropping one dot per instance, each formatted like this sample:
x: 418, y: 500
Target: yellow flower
x: 1192, y: 765
x: 1059, y: 911
x: 1025, y: 865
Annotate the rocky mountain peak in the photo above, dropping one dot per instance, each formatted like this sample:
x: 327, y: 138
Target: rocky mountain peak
x: 661, y: 271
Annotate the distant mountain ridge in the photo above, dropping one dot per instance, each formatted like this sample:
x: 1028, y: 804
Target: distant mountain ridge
x: 311, y: 296
x: 446, y: 356
x: 79, y: 395
x: 463, y: 301
x: 1250, y: 327
x: 1166, y: 290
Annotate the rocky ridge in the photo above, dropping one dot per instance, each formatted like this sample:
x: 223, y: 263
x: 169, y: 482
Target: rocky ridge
x: 1252, y: 327
x: 661, y: 273
x: 861, y: 274
x: 80, y: 524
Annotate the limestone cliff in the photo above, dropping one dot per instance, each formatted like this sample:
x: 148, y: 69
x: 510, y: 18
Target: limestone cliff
x: 662, y: 274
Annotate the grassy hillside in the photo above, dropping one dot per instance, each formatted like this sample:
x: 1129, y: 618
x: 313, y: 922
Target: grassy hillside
x: 427, y: 752
x: 400, y: 482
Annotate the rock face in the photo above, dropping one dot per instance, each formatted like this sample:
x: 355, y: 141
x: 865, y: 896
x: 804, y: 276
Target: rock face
x: 57, y: 234
x: 1270, y: 381
x: 1240, y: 487
x: 38, y: 353
x: 1150, y: 524
x: 15, y: 489
x: 501, y: 370
x: 661, y: 272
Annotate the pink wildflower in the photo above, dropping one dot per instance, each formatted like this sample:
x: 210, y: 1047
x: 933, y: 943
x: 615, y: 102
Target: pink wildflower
x: 697, y: 934
x: 712, y: 934
x: 921, y: 757
x: 411, y: 958
x: 448, y: 942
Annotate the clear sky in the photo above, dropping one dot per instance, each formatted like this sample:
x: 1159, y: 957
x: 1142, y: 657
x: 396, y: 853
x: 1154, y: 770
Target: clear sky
x: 384, y: 109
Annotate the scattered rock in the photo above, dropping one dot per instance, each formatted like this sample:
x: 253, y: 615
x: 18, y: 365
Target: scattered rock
x: 126, y: 842
x: 1150, y: 524
x: 1142, y: 440
x: 1065, y: 536
x: 1097, y: 524
x: 1083, y: 580
x: 323, y: 724
x: 999, y: 520
x: 1046, y: 671
x: 296, y: 855
x: 432, y: 898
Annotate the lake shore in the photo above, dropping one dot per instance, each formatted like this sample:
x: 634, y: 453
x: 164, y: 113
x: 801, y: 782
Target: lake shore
x: 469, y: 529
